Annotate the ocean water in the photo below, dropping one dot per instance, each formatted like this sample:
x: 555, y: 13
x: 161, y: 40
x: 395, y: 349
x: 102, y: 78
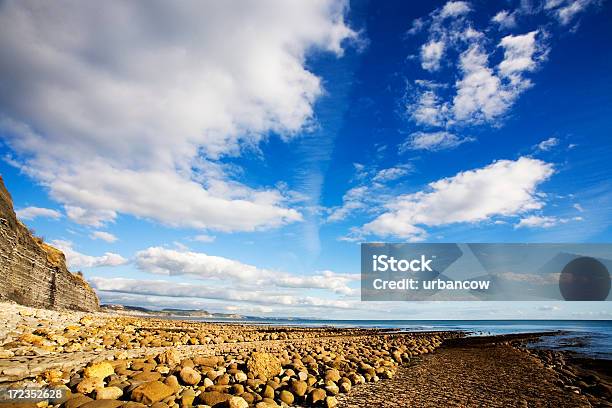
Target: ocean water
x: 592, y: 338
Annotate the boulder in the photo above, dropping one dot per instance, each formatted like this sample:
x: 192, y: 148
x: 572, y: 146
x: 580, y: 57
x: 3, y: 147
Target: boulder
x: 77, y: 400
x: 287, y: 397
x: 212, y: 398
x: 264, y: 364
x: 317, y: 395
x: 103, y: 404
x: 99, y: 370
x: 237, y: 402
x: 108, y: 393
x: 299, y: 388
x: 151, y: 392
x: 87, y: 385
x: 190, y: 376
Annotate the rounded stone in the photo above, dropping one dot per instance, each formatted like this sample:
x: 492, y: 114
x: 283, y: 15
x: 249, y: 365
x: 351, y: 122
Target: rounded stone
x: 190, y: 376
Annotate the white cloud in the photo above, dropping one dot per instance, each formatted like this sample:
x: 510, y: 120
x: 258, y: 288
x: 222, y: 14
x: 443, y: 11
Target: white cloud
x: 190, y: 290
x: 171, y: 262
x: 75, y: 259
x: 371, y: 194
x: 484, y: 95
x: 148, y: 96
x: 104, y: 236
x: 578, y: 207
x: 29, y: 213
x: 455, y: 9
x: 392, y: 173
x: 505, y: 19
x: 354, y: 199
x: 204, y: 238
x: 548, y: 144
x: 431, y: 54
x: 521, y: 53
x: 433, y: 141
x: 427, y: 108
x: 503, y: 188
x: 566, y: 10
x: 538, y: 221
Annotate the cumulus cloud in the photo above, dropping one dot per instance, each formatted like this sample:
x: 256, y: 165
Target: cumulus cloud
x: 426, y: 107
x: 30, y: 213
x: 521, y: 54
x: 171, y: 262
x: 485, y: 95
x: 505, y: 19
x: 433, y: 141
x: 503, y: 188
x: 148, y: 96
x: 455, y: 9
x: 104, y: 236
x: 483, y: 92
x: 75, y: 259
x: 431, y: 54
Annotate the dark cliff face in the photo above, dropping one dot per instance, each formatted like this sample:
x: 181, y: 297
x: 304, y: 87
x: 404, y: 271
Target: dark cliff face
x: 34, y: 273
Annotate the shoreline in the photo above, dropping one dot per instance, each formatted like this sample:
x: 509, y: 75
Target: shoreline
x: 335, y: 366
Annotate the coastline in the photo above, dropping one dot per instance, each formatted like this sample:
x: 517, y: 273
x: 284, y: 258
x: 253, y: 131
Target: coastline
x: 269, y: 366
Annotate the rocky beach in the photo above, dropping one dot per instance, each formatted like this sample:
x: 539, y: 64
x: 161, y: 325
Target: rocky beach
x: 108, y: 360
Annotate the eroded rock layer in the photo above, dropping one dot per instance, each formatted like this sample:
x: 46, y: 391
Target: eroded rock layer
x: 34, y: 273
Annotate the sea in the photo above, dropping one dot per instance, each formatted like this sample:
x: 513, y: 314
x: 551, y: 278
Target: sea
x: 589, y: 338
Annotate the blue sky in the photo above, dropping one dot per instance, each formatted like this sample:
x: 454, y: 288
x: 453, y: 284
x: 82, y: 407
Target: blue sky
x: 232, y: 157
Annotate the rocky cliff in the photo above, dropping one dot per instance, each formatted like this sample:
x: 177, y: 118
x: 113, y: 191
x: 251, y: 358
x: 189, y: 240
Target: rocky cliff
x: 33, y: 273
